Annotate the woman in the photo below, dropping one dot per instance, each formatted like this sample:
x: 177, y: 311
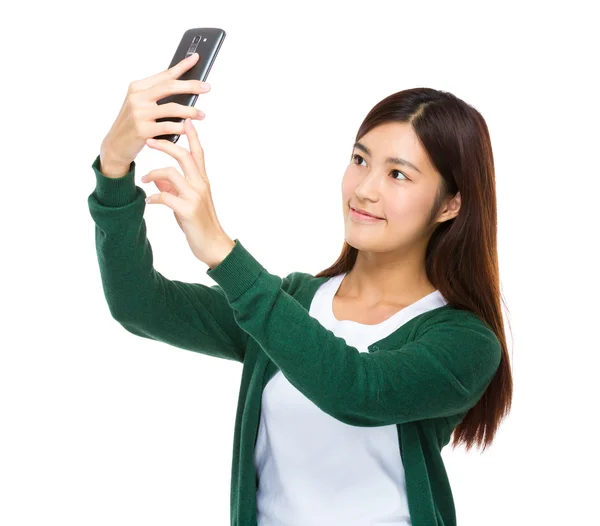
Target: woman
x: 354, y: 379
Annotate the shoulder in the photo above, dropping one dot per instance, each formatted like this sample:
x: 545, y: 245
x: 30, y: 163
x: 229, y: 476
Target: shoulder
x: 297, y: 280
x: 453, y: 317
x: 463, y: 329
x: 302, y: 286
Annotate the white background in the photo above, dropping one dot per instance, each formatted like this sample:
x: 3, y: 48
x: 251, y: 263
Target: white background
x: 99, y: 426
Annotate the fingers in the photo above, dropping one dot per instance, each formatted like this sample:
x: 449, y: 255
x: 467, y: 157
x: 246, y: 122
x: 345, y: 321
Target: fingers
x: 165, y: 186
x: 195, y: 146
x: 172, y: 87
x: 178, y: 205
x: 181, y: 67
x: 194, y: 172
x: 177, y: 181
x: 172, y: 73
x: 174, y: 109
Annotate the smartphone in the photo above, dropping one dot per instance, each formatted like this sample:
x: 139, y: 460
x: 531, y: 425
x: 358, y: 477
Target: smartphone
x: 206, y: 41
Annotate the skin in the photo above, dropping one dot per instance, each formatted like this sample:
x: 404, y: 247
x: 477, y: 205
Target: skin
x: 390, y: 266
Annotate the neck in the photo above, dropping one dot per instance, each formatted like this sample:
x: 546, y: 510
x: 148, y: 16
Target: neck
x: 373, y: 281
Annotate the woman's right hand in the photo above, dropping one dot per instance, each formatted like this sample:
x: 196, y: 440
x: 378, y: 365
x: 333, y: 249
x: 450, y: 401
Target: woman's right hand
x: 136, y: 121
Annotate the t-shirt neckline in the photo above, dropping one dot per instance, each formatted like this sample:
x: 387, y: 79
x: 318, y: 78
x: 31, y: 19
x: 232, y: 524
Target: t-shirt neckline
x: 406, y: 311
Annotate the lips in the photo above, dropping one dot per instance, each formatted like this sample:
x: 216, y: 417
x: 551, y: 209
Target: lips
x: 365, y: 212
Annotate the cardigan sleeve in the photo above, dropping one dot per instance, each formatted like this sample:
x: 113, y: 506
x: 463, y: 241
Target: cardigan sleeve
x: 443, y: 372
x: 189, y: 316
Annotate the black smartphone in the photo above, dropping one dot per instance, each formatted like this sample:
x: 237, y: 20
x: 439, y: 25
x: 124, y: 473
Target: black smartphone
x: 206, y: 41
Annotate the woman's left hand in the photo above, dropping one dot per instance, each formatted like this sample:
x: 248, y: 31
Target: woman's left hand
x: 190, y: 198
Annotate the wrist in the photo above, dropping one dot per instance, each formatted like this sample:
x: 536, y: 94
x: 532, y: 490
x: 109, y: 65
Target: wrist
x: 111, y: 168
x: 220, y: 252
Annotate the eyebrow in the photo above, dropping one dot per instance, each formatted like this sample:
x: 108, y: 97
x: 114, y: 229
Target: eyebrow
x: 392, y: 160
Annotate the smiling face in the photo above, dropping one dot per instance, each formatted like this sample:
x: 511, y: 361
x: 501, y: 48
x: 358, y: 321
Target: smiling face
x: 401, y: 194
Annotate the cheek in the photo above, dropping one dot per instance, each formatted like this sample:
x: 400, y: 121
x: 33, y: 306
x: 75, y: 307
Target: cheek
x: 407, y: 210
x: 347, y: 188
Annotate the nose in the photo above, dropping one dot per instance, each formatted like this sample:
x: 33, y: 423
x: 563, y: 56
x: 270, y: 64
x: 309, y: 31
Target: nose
x: 369, y: 188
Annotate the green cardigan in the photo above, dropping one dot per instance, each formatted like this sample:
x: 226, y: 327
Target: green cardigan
x: 423, y: 377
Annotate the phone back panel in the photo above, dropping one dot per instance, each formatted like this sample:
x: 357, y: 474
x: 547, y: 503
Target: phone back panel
x: 193, y: 42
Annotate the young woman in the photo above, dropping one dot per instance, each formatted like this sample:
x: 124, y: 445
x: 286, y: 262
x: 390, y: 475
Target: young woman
x: 354, y: 379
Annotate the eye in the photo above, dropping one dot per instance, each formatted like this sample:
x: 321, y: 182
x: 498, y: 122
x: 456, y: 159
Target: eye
x: 355, y: 156
x: 402, y: 174
x: 362, y: 159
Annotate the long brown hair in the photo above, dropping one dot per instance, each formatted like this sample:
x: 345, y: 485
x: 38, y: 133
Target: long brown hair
x: 462, y: 254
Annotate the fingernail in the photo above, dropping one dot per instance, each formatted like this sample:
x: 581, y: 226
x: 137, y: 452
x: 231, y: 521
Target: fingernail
x: 192, y: 56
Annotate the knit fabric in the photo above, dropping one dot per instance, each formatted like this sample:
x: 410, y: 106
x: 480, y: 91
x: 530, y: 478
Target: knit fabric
x: 423, y: 377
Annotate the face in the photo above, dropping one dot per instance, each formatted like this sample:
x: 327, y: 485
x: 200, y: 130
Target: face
x: 398, y: 193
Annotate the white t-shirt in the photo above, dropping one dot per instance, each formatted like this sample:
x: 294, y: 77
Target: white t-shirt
x: 317, y: 471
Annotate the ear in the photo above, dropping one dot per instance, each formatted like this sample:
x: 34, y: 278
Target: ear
x: 452, y: 208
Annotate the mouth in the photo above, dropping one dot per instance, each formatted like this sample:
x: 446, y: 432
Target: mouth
x: 363, y: 214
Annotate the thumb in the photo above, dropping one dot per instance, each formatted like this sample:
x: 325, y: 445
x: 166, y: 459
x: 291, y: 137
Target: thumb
x: 166, y: 186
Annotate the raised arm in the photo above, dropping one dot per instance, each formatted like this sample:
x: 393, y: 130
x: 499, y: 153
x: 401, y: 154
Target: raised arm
x: 443, y: 372
x: 189, y: 316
